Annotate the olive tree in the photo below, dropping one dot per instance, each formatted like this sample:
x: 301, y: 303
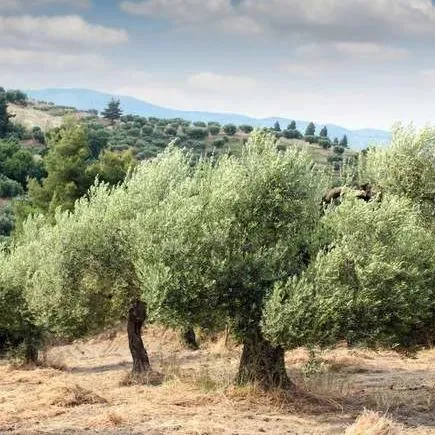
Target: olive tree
x: 76, y: 275
x: 406, y: 168
x: 373, y: 283
x: 17, y: 323
x: 216, y: 245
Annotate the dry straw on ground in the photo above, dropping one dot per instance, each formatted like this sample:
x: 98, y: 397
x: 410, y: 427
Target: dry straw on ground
x: 76, y: 395
x: 374, y: 423
x: 194, y: 393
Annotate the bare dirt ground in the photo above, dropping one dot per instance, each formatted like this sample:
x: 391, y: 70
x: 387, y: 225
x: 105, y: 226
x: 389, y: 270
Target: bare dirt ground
x: 81, y: 391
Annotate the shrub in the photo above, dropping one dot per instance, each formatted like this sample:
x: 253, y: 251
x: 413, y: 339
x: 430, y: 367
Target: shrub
x: 214, y: 130
x: 135, y: 132
x: 230, y: 129
x: 311, y: 139
x: 9, y: 188
x: 38, y: 135
x: 246, y: 128
x: 325, y: 143
x: 7, y: 221
x: 171, y: 131
x: 147, y: 130
x: 219, y: 143
x: 292, y: 134
x: 197, y: 133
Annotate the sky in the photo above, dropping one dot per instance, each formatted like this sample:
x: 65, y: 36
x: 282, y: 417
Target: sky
x: 357, y: 63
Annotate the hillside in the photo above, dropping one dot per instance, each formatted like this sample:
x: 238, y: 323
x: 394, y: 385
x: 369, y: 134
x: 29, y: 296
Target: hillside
x: 41, y: 116
x: 85, y: 99
x: 147, y: 136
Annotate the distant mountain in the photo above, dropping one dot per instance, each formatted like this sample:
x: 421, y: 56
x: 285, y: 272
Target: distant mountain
x: 84, y: 99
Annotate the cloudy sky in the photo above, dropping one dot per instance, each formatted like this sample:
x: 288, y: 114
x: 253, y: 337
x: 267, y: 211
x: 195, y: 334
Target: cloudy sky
x: 358, y: 63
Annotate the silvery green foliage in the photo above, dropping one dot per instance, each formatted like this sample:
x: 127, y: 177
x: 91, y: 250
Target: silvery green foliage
x: 74, y: 274
x: 374, y: 284
x: 77, y: 275
x: 215, y: 245
x: 405, y: 168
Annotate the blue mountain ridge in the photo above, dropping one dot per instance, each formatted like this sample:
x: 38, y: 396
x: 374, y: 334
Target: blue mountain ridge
x: 85, y: 99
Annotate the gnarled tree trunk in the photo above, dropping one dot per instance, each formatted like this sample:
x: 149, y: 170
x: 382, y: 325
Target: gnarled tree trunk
x: 189, y: 338
x: 136, y: 317
x: 262, y: 364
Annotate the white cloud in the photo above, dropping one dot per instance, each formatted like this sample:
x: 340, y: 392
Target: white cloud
x: 352, y: 51
x: 15, y: 60
x: 372, y: 51
x: 57, y: 30
x: 180, y: 11
x: 22, y: 4
x: 211, y: 82
x: 336, y: 20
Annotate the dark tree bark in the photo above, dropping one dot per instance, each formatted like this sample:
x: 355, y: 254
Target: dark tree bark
x: 136, y: 317
x: 189, y: 338
x: 31, y: 341
x: 262, y: 364
x: 31, y: 353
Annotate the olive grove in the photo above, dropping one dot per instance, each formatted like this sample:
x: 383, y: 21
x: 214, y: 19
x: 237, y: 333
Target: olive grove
x: 240, y: 240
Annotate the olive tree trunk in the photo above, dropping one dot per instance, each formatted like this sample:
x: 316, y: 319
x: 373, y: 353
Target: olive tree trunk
x: 31, y: 342
x: 189, y: 338
x: 262, y: 364
x: 136, y: 317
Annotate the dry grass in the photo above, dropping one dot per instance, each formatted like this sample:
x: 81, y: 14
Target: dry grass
x: 75, y: 396
x: 30, y: 117
x: 194, y: 393
x: 374, y: 423
x: 147, y: 378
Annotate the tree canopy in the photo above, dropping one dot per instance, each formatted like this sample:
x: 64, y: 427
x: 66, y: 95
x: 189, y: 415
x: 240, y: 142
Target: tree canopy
x: 310, y: 130
x: 238, y: 239
x: 113, y: 110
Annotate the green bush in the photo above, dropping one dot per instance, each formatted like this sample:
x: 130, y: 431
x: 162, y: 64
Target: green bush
x: 147, y: 130
x: 219, y: 143
x: 198, y: 133
x: 230, y: 129
x: 171, y: 130
x: 325, y: 143
x: 200, y: 124
x: 38, y: 135
x: 214, y: 130
x: 7, y: 221
x: 246, y: 128
x: 311, y: 139
x: 9, y: 188
x: 292, y: 134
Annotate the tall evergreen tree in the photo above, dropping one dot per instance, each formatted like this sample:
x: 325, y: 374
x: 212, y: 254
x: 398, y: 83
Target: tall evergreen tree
x: 344, y: 142
x: 311, y: 129
x: 113, y: 111
x: 276, y: 126
x: 324, y: 132
x: 292, y: 126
